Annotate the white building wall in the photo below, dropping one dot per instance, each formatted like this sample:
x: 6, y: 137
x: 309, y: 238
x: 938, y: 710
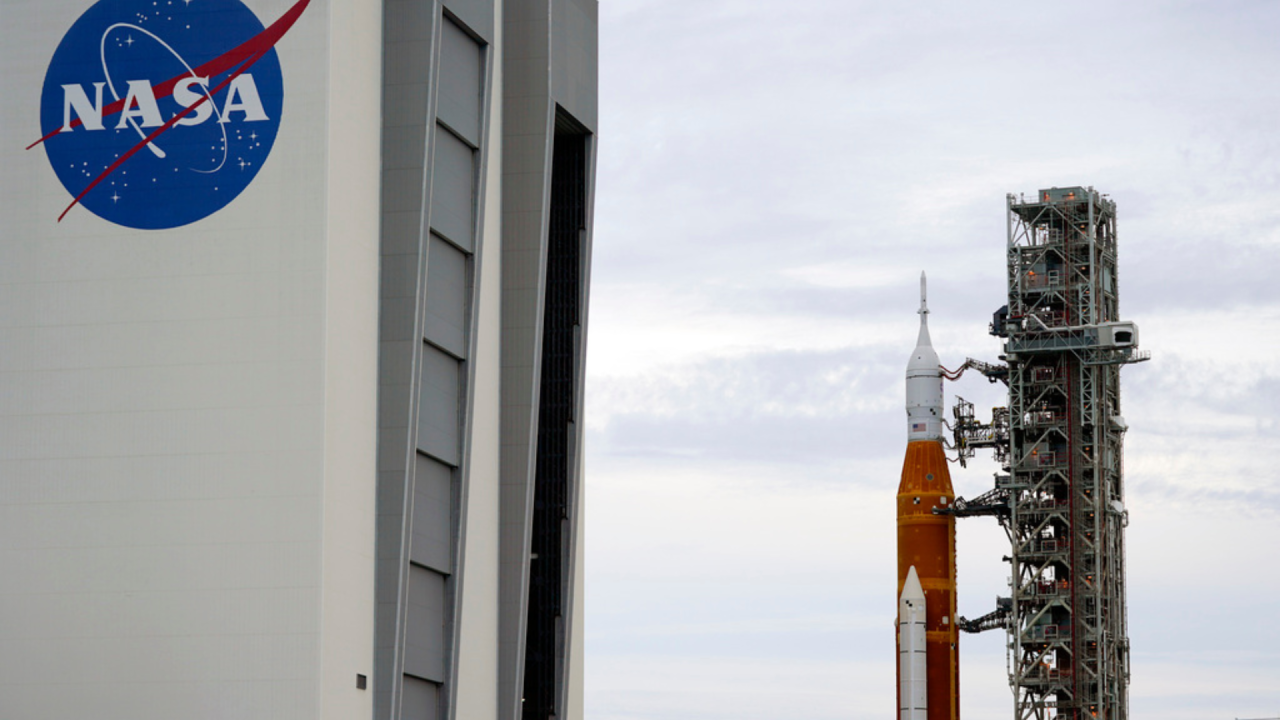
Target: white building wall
x: 186, y: 475
x: 351, y: 360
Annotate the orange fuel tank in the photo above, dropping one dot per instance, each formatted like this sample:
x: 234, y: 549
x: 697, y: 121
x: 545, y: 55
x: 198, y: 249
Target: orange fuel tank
x: 928, y: 542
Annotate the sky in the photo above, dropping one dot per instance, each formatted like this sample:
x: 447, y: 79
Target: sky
x: 772, y: 178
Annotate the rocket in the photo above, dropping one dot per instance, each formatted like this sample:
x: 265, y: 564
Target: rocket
x: 928, y: 686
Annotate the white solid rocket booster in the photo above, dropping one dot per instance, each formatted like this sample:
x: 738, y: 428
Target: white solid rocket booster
x: 912, y: 671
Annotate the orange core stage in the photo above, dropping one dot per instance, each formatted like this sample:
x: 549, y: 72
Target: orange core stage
x: 928, y: 542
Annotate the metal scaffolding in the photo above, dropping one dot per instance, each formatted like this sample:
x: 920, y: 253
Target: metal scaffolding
x: 1059, y: 441
x: 1064, y: 345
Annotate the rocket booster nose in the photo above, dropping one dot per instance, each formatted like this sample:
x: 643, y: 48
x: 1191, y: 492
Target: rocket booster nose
x: 911, y: 588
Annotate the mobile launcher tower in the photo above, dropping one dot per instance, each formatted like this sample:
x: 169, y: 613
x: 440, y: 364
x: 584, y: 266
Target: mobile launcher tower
x: 1059, y: 441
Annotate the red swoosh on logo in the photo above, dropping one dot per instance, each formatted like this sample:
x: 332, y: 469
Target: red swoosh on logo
x: 244, y: 55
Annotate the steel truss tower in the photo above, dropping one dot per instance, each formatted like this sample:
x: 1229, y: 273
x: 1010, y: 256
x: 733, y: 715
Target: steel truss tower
x: 1064, y: 345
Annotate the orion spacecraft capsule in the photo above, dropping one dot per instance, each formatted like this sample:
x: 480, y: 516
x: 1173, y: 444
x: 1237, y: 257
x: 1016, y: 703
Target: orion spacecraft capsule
x: 926, y: 546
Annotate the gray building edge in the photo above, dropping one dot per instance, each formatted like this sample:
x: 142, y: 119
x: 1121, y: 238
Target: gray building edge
x: 440, y: 88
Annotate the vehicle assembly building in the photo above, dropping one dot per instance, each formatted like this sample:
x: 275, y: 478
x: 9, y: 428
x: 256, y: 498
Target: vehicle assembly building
x: 1059, y: 440
x: 293, y: 310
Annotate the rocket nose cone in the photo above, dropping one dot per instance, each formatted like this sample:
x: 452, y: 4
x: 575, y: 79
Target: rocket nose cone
x: 911, y: 589
x: 924, y: 357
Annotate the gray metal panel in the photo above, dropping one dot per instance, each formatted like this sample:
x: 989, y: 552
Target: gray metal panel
x: 400, y: 232
x: 421, y: 700
x: 453, y: 189
x: 477, y: 15
x: 407, y: 21
x: 407, y: 122
x: 402, y: 189
x: 438, y: 406
x: 390, y: 516
x: 404, y: 146
x: 574, y: 81
x: 404, y: 104
x: 526, y: 142
x: 431, y: 542
x: 406, y: 63
x: 458, y: 97
x: 424, y: 625
x: 447, y: 292
x: 396, y: 323
x: 399, y: 276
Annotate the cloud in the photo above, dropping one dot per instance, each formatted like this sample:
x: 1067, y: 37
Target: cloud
x: 782, y: 408
x: 1198, y: 427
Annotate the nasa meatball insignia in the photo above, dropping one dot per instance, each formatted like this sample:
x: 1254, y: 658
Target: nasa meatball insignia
x: 158, y: 113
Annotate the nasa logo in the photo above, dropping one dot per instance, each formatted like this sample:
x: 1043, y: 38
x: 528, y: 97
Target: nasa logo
x: 158, y: 113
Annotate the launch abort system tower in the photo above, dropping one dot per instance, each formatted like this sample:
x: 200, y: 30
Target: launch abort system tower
x: 1064, y: 344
